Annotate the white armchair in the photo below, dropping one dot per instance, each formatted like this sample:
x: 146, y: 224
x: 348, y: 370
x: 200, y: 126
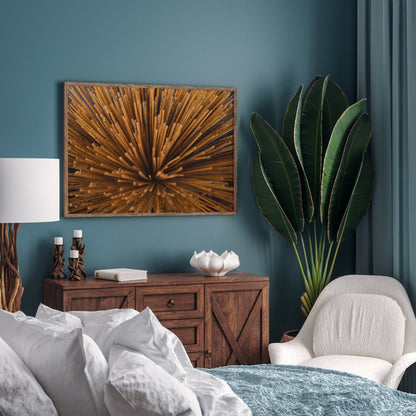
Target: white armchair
x: 364, y: 325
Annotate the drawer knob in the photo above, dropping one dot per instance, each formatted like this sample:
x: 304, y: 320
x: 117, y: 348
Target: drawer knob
x: 208, y: 353
x: 170, y: 303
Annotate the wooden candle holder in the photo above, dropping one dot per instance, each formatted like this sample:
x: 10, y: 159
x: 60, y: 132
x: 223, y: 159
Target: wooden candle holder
x: 74, y: 269
x: 77, y: 245
x: 57, y: 271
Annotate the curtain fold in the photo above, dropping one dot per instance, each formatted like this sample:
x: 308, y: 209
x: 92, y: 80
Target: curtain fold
x: 386, y: 71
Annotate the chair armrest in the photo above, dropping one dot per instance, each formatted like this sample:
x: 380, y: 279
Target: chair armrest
x: 293, y: 352
x: 393, y: 378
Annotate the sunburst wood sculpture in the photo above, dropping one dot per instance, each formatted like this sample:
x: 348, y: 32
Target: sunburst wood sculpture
x: 149, y: 150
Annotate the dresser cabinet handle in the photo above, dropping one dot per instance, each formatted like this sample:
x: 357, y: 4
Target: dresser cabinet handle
x: 170, y: 303
x: 208, y: 353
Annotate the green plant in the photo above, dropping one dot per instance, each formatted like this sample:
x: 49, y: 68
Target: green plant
x: 314, y: 183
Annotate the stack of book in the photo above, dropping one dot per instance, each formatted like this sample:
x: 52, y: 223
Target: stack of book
x: 121, y: 275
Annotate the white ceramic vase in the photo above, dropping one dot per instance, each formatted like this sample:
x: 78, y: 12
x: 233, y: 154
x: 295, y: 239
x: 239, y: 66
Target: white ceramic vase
x: 211, y: 264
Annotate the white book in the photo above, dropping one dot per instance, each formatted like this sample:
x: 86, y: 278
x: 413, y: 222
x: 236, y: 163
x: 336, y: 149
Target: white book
x: 121, y: 275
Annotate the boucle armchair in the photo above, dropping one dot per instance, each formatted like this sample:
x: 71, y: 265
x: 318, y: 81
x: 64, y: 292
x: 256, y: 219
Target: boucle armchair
x: 364, y: 325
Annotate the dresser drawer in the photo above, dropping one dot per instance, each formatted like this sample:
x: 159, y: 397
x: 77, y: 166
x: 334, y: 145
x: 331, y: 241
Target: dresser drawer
x: 197, y: 359
x: 172, y: 302
x: 97, y: 299
x: 189, y: 331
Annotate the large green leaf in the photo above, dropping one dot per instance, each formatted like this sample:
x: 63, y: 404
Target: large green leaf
x: 309, y: 146
x: 288, y: 131
x: 268, y: 203
x: 281, y: 170
x: 335, y: 104
x: 360, y: 199
x: 350, y: 165
x: 334, y: 153
x: 290, y: 134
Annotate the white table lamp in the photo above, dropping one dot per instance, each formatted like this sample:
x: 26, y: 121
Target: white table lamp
x: 29, y: 192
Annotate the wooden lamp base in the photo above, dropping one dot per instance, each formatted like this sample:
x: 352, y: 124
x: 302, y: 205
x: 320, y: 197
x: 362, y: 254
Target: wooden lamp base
x: 11, y: 287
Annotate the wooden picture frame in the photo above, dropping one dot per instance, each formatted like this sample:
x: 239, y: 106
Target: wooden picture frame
x: 135, y: 150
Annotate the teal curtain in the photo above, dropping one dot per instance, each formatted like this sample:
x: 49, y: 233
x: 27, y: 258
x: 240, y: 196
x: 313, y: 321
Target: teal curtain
x: 386, y: 63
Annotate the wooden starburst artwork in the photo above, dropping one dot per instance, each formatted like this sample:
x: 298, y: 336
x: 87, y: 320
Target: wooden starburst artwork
x: 149, y: 150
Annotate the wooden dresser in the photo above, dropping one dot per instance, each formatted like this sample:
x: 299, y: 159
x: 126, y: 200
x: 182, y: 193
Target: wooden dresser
x: 220, y: 320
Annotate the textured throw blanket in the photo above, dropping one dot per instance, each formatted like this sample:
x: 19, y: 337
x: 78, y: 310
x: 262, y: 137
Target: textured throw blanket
x: 294, y: 390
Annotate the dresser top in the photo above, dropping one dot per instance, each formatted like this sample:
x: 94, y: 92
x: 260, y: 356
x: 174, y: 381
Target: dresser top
x: 158, y: 279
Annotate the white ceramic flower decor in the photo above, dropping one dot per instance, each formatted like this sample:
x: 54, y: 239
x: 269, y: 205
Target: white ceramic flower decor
x: 211, y: 264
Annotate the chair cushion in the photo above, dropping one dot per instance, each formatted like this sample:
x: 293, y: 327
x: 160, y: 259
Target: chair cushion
x: 360, y: 324
x: 368, y: 367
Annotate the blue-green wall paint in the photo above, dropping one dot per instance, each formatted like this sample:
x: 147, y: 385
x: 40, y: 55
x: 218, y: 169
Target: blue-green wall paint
x: 265, y: 48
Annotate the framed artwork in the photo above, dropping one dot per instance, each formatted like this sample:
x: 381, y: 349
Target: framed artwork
x: 149, y: 150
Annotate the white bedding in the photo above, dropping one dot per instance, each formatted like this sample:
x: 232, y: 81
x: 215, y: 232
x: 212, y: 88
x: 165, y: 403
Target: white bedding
x: 20, y: 393
x: 137, y: 386
x: 152, y: 349
x: 67, y: 364
x: 214, y: 395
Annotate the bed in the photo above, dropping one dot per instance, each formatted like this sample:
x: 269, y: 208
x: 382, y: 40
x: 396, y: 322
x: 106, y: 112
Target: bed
x: 270, y: 389
x: 125, y: 363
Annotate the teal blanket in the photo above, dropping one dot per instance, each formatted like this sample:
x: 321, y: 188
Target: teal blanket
x: 295, y: 390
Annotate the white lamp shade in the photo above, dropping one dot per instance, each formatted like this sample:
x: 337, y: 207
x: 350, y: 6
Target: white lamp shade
x: 29, y: 190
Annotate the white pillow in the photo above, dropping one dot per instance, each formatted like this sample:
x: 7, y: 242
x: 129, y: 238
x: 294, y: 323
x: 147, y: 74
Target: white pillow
x: 360, y: 324
x: 99, y: 325
x: 137, y: 386
x: 108, y: 316
x: 145, y: 334
x: 47, y: 314
x: 20, y: 393
x: 68, y: 365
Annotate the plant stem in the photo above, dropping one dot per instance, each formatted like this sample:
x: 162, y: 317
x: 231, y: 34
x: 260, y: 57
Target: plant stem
x: 333, y: 263
x: 305, y: 256
x: 322, y: 249
x: 310, y: 243
x: 300, y: 264
x: 314, y: 269
x: 328, y: 256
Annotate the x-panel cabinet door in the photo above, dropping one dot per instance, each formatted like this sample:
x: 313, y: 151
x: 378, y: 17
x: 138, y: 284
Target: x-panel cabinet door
x: 236, y: 323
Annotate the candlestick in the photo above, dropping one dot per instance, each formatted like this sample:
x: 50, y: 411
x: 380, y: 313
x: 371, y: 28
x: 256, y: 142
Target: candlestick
x: 57, y: 271
x: 73, y: 266
x: 77, y: 245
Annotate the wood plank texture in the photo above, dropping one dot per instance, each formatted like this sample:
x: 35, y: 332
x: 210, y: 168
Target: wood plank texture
x: 236, y: 337
x: 220, y: 320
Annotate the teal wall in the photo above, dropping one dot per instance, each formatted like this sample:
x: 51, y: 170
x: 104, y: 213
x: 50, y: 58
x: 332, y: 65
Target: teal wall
x: 265, y: 48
